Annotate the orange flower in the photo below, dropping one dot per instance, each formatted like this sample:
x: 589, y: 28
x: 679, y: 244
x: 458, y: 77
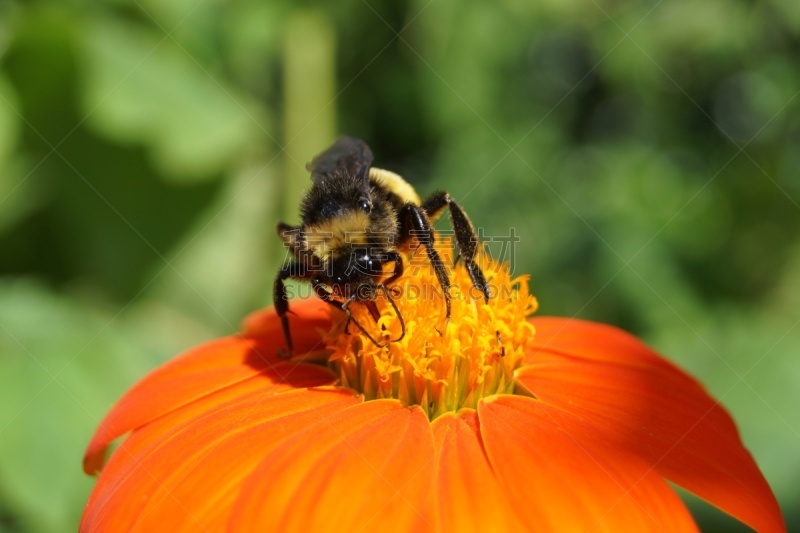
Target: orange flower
x: 491, y: 422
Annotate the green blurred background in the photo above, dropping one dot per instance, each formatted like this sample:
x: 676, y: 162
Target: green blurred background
x: 646, y: 153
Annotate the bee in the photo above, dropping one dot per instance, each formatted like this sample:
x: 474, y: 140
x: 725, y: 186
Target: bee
x: 357, y: 222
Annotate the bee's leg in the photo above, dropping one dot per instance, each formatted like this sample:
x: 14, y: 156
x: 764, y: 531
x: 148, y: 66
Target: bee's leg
x: 414, y: 222
x: 280, y: 300
x: 290, y: 236
x: 372, y: 307
x: 325, y: 295
x: 396, y: 312
x: 351, y: 318
x: 397, y: 259
x: 466, y: 239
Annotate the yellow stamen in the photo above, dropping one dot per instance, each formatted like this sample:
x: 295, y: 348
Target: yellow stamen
x: 440, y: 367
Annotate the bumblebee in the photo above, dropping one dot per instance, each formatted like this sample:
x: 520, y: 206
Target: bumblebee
x: 357, y: 221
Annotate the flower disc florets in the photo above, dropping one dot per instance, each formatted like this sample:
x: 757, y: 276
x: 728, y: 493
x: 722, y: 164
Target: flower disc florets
x: 439, y: 366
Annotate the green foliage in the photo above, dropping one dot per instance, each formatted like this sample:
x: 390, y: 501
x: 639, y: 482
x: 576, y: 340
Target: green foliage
x: 644, y: 153
x: 64, y: 363
x: 194, y: 124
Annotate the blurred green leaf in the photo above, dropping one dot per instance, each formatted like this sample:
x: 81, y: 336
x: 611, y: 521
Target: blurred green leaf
x: 63, y: 365
x: 9, y: 119
x: 310, y: 117
x: 144, y: 87
x: 224, y: 266
x: 253, y: 31
x: 17, y: 195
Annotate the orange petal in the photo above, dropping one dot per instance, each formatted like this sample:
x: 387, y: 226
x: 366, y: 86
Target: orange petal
x: 155, y: 431
x: 208, y: 368
x: 304, y: 316
x: 645, y: 404
x: 561, y: 476
x: 189, y: 479
x: 151, y: 399
x: 368, y: 467
x: 468, y: 495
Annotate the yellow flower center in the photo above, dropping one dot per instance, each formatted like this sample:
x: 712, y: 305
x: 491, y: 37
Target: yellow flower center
x: 439, y: 366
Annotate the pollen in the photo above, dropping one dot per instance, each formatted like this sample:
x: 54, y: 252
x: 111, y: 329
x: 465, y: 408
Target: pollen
x: 440, y: 366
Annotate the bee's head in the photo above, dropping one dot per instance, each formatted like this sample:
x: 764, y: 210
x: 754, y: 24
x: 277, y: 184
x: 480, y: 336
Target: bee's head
x: 357, y: 272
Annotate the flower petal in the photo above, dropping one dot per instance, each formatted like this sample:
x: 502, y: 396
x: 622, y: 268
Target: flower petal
x: 150, y: 400
x: 189, y: 479
x: 155, y: 431
x: 366, y: 466
x: 468, y: 495
x: 211, y: 367
x: 561, y: 476
x: 645, y: 404
x: 312, y: 315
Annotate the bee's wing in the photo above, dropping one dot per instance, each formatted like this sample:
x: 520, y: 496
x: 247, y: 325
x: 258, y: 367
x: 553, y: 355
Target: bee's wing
x: 347, y: 153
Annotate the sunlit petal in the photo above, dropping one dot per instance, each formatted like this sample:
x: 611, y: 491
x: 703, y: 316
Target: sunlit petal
x: 364, y: 468
x: 189, y: 478
x: 206, y: 369
x: 192, y: 413
x: 643, y: 403
x: 468, y: 497
x: 561, y: 477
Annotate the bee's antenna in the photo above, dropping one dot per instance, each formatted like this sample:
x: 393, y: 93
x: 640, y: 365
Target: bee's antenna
x: 396, y: 312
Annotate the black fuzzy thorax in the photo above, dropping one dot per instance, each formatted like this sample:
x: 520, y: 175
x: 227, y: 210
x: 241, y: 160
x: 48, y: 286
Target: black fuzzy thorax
x: 331, y: 196
x: 336, y: 195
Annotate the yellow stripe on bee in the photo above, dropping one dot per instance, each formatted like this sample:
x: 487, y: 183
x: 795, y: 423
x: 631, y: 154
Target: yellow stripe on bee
x: 396, y: 184
x: 338, y: 233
